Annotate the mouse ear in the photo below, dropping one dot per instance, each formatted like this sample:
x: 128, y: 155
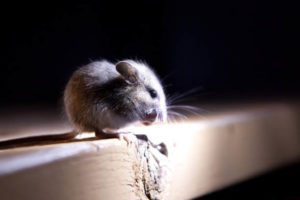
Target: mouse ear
x: 129, y: 73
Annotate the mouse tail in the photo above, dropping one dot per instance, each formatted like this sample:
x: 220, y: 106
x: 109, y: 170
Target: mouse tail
x: 37, y: 140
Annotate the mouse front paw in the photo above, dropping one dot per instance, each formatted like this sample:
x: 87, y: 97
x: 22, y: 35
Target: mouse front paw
x: 128, y: 138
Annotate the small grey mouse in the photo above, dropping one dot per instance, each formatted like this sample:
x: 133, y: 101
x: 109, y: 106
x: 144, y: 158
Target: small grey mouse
x: 103, y: 97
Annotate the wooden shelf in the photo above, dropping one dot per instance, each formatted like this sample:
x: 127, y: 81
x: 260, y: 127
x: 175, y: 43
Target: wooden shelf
x: 205, y: 154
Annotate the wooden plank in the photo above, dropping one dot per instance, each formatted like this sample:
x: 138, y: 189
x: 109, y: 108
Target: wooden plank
x: 228, y: 149
x: 205, y: 155
x: 108, y: 169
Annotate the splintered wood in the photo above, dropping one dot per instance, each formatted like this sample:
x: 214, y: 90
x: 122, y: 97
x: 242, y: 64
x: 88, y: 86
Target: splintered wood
x: 108, y: 169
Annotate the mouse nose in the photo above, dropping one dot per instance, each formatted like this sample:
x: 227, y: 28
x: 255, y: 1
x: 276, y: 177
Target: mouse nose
x: 150, y: 115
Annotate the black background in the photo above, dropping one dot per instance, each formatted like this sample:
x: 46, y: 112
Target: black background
x: 222, y: 47
x: 280, y: 184
x: 226, y: 48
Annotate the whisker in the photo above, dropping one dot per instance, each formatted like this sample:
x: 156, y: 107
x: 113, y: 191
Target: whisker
x: 173, y: 113
x: 187, y: 108
x: 159, y: 117
x: 177, y: 97
x: 163, y: 79
x: 171, y: 119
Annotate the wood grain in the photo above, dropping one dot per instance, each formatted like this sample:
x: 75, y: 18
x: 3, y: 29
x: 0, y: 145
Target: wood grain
x: 89, y: 170
x: 205, y: 154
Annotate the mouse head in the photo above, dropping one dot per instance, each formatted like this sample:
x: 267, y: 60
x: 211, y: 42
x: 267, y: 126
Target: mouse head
x: 142, y: 95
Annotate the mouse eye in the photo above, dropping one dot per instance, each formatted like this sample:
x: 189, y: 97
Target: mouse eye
x: 152, y: 93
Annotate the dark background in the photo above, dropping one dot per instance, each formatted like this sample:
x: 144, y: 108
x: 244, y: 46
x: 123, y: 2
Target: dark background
x: 280, y: 184
x: 223, y: 47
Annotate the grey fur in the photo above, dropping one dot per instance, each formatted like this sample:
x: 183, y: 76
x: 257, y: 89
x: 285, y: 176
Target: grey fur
x: 97, y: 96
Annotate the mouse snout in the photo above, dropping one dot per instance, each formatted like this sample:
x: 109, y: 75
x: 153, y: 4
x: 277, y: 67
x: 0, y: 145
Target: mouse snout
x: 150, y: 116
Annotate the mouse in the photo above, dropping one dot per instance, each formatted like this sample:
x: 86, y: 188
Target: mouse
x: 104, y: 97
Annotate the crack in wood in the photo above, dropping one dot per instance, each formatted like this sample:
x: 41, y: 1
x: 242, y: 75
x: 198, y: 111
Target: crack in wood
x: 152, y: 178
